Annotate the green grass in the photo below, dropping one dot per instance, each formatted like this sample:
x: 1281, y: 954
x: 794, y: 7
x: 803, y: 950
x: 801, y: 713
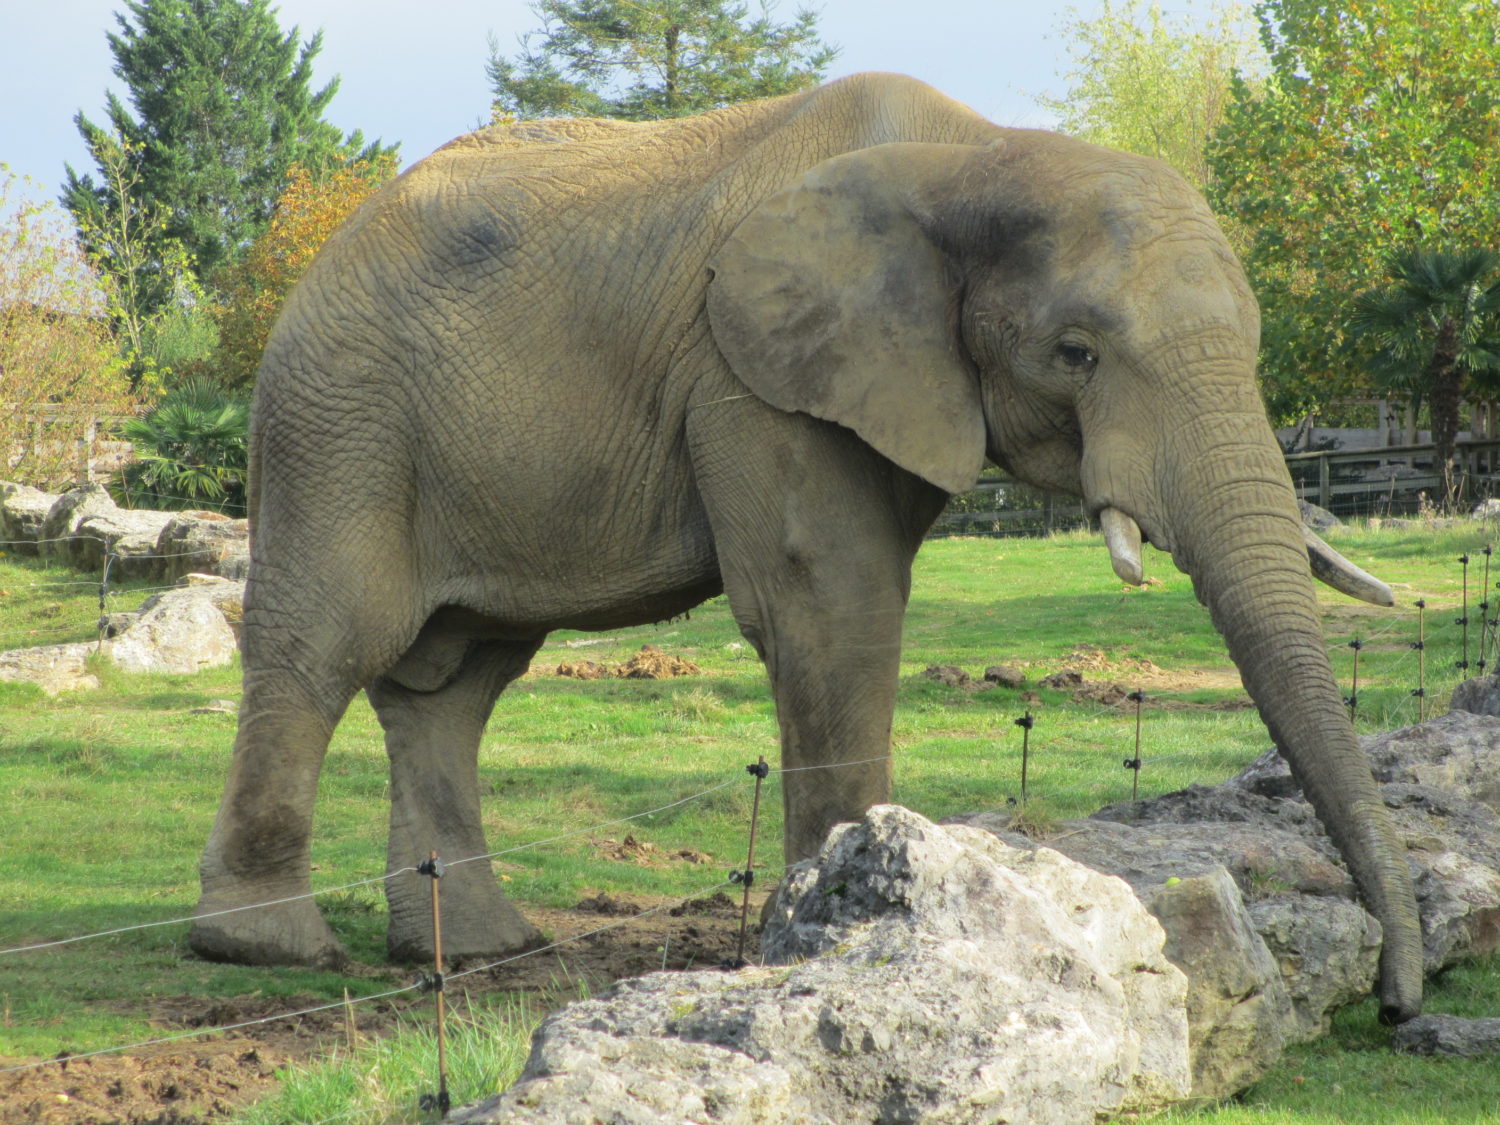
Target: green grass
x: 375, y: 1081
x: 106, y: 796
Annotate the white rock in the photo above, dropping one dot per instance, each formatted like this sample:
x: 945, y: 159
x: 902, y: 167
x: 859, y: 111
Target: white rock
x: 180, y: 631
x: 938, y: 975
x: 23, y: 510
x: 53, y: 668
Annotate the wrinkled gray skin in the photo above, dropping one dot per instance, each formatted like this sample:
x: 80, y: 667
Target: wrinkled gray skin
x: 587, y: 374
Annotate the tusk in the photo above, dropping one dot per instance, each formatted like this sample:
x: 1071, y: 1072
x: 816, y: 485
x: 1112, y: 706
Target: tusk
x: 1123, y: 537
x: 1330, y: 567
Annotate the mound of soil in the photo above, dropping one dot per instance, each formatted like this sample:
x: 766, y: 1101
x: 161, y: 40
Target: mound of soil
x: 653, y: 664
x: 644, y: 852
x: 202, y: 1081
x: 648, y: 664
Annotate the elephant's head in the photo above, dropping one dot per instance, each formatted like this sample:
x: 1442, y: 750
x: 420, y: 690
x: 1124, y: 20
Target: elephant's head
x: 1076, y: 315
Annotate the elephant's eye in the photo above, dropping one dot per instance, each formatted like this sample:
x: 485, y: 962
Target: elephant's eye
x: 1075, y: 355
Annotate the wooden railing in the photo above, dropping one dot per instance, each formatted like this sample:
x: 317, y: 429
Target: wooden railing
x: 1391, y: 479
x: 1393, y: 475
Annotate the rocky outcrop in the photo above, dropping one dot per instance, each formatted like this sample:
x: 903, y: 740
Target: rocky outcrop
x: 204, y: 543
x: 128, y: 538
x: 923, y: 974
x: 23, y: 510
x: 84, y: 525
x: 55, y: 536
x: 182, y: 630
x: 904, y: 939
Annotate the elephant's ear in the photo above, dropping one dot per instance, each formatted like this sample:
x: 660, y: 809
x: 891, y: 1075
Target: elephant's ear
x: 829, y: 299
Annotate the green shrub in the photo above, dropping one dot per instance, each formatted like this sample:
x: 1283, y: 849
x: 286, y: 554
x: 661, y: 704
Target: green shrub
x: 191, y: 450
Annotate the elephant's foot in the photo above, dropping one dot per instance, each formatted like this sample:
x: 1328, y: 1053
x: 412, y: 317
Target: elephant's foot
x: 483, y: 926
x: 289, y: 933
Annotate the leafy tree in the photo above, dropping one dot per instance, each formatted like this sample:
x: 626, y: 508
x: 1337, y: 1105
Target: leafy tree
x: 191, y: 450
x: 60, y: 372
x: 645, y: 59
x: 254, y: 288
x: 155, y: 304
x: 1436, y: 331
x: 223, y: 107
x: 1152, y: 85
x: 1378, y: 128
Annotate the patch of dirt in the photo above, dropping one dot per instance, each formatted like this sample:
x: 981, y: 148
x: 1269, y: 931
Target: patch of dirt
x: 173, y: 1084
x: 645, y: 853
x: 1129, y: 673
x: 202, y: 1081
x: 651, y: 663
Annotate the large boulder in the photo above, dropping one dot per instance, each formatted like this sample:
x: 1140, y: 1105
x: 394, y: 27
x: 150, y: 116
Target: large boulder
x: 1237, y: 1008
x: 1479, y: 696
x: 204, y: 543
x: 931, y: 974
x: 53, y: 668
x: 23, y: 511
x: 1448, y: 1036
x: 1319, y: 519
x: 54, y: 538
x: 127, y: 536
x: 1441, y: 781
x: 182, y: 630
x: 1327, y: 952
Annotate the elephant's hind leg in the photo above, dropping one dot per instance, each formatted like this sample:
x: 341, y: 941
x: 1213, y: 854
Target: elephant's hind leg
x: 258, y: 855
x: 432, y: 738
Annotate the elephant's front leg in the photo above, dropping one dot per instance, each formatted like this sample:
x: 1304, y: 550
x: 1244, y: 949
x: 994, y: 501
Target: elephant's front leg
x: 816, y: 534
x: 432, y: 738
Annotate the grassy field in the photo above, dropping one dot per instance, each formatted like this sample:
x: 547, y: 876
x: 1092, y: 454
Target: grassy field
x: 107, y: 795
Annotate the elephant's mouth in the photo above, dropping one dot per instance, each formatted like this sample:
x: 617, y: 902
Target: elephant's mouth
x: 1123, y: 537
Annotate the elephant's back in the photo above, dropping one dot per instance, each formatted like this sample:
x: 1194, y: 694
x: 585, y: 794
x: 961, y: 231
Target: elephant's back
x: 523, y: 240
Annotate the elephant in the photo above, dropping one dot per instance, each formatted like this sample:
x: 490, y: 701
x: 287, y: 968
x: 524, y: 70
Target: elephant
x: 578, y: 374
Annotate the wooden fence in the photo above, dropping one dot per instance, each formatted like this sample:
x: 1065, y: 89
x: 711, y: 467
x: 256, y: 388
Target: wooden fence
x: 1393, y: 480
x: 77, y: 442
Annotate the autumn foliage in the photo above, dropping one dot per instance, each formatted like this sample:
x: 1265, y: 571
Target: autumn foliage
x: 61, y: 378
x: 253, y: 290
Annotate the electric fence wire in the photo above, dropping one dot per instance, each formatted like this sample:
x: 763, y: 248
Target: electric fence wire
x: 1099, y: 711
x: 412, y: 869
x: 417, y: 986
x: 370, y: 881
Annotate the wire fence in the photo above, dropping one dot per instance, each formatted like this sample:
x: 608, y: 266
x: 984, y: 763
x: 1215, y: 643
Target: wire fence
x: 423, y: 983
x: 1393, y: 659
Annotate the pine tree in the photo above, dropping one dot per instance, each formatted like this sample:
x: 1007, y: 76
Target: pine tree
x: 645, y: 59
x: 223, y: 106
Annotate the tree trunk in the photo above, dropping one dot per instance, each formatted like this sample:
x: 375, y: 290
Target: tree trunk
x: 1444, y: 378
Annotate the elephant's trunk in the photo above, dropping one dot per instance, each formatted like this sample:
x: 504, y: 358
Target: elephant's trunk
x: 1236, y: 530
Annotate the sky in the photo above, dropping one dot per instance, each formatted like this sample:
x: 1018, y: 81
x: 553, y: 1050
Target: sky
x: 414, y: 73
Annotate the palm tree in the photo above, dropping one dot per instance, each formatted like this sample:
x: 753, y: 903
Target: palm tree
x: 191, y: 450
x: 1436, y: 329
